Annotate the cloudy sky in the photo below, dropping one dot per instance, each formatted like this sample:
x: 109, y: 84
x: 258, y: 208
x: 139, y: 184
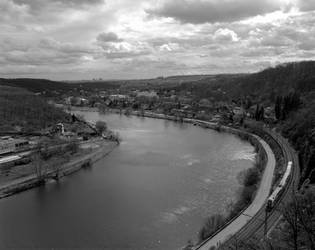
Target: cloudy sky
x: 119, y: 39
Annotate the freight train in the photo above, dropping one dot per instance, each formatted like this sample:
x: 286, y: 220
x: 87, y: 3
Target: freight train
x: 280, y: 188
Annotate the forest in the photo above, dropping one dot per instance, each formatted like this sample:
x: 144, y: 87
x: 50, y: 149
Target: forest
x: 23, y: 111
x: 289, y: 88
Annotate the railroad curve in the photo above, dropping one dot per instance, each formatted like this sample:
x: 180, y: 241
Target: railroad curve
x: 260, y: 223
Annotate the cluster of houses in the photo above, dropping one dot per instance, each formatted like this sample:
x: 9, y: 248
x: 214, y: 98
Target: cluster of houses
x: 172, y: 102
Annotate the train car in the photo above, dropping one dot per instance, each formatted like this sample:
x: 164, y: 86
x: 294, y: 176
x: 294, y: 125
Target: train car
x: 12, y: 145
x: 12, y: 160
x: 8, y: 159
x: 280, y: 188
x: 6, y: 147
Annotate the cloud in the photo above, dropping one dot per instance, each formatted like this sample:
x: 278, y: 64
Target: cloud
x: 225, y: 35
x: 46, y: 52
x: 36, y: 5
x: 201, y: 11
x: 125, y: 49
x: 68, y: 48
x: 147, y: 38
x: 306, y: 5
x: 8, y: 10
x: 108, y: 37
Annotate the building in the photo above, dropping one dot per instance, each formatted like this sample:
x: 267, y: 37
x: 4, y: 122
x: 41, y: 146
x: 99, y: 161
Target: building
x: 118, y: 97
x: 238, y: 111
x: 185, y: 100
x: 147, y: 94
x: 205, y: 103
x: 76, y: 101
x: 238, y: 114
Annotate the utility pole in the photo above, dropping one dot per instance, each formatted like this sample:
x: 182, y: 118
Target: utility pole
x: 265, y: 224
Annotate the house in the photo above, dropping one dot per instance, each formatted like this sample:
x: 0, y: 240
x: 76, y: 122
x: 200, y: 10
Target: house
x: 238, y: 111
x: 216, y: 118
x: 238, y: 114
x: 68, y: 134
x: 148, y: 94
x: 76, y: 101
x: 118, y: 97
x: 205, y: 103
x: 185, y: 100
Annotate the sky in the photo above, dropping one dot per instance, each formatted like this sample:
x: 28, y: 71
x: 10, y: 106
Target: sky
x: 131, y: 39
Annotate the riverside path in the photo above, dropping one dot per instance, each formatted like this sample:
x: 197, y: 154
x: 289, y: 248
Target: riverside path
x: 260, y: 198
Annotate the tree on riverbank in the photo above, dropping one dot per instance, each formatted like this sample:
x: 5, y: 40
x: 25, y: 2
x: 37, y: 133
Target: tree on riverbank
x: 39, y: 166
x: 101, y: 126
x: 211, y: 225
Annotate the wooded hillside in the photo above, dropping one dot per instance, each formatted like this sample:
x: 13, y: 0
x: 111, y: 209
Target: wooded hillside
x: 22, y: 110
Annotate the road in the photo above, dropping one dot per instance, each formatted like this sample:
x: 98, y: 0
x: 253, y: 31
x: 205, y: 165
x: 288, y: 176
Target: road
x: 260, y: 198
x: 257, y: 223
x: 256, y: 226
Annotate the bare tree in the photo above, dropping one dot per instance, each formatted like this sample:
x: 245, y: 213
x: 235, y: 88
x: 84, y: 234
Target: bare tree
x: 40, y: 168
x: 253, y: 243
x: 290, y: 215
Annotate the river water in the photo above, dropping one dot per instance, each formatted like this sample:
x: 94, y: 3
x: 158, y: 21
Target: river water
x: 152, y: 192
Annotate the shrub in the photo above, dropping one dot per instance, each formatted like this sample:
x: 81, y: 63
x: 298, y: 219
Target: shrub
x: 252, y: 177
x: 101, y: 126
x: 247, y: 194
x: 211, y: 225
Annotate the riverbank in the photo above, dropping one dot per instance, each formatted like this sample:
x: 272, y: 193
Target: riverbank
x: 250, y: 198
x: 236, y: 224
x: 98, y: 150
x: 253, y: 194
x: 250, y: 191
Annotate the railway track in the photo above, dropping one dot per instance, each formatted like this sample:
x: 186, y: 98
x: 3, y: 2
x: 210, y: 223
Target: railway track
x: 257, y: 227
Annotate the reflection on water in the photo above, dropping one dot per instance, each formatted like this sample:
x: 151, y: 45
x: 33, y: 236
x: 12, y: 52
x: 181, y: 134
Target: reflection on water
x: 152, y: 192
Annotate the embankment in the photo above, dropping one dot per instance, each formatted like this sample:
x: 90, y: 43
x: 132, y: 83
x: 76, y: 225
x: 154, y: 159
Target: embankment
x: 71, y: 167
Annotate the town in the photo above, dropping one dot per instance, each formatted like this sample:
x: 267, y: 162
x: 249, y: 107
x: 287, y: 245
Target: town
x: 174, y: 102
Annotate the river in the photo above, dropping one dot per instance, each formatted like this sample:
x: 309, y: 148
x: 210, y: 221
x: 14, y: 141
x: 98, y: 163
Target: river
x: 152, y: 192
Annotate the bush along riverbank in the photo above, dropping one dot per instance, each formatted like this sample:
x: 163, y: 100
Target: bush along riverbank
x: 250, y: 180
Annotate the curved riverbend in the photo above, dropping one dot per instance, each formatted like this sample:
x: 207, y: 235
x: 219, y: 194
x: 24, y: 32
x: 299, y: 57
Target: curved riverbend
x: 152, y: 192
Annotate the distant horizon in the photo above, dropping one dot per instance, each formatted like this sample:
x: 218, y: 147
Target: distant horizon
x: 123, y: 79
x: 98, y: 79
